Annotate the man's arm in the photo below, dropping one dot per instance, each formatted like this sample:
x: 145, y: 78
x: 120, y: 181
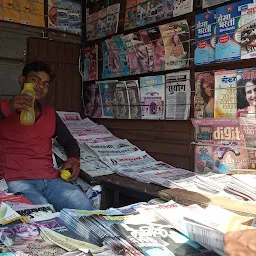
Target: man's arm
x: 66, y: 140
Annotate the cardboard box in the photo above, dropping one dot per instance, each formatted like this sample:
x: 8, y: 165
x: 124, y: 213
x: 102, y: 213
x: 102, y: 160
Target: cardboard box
x: 11, y: 15
x: 12, y: 4
x: 32, y: 7
x: 31, y: 19
x: 1, y: 10
x: 37, y: 20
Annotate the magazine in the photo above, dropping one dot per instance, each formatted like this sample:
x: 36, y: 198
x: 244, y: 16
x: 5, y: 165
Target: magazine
x: 102, y: 23
x: 176, y: 44
x: 119, y: 100
x: 150, y: 49
x: 90, y: 54
x: 178, y: 95
x: 204, y: 94
x: 182, y: 7
x: 114, y: 60
x: 106, y: 72
x: 246, y: 87
x: 210, y: 3
x: 152, y: 235
x: 228, y: 33
x: 134, y: 99
x: 52, y: 14
x: 62, y: 14
x: 92, y: 97
x: 248, y: 31
x: 37, y: 213
x: 26, y: 240
x: 121, y: 48
x: 105, y: 91
x: 141, y: 52
x: 152, y: 95
x: 205, y: 38
x: 75, y: 18
x: 225, y: 100
x: 130, y: 14
x: 156, y: 42
x: 141, y: 17
x: 112, y: 19
x: 131, y: 54
x: 220, y: 146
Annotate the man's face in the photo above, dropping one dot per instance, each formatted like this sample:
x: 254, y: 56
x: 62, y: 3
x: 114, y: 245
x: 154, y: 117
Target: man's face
x: 41, y: 81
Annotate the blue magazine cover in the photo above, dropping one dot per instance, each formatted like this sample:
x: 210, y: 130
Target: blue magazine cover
x: 228, y: 34
x: 152, y: 91
x: 205, y: 38
x: 105, y: 92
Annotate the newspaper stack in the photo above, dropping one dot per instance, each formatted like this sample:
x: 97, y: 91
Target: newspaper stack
x: 242, y: 185
x: 85, y: 131
x: 102, y: 153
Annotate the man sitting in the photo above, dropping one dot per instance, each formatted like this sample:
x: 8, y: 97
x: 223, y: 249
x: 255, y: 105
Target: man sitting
x: 26, y: 151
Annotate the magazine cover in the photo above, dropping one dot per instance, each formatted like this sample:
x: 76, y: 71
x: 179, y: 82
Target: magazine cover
x: 228, y: 33
x: 205, y: 38
x: 150, y: 49
x: 102, y: 23
x: 134, y: 98
x: 204, y: 94
x: 162, y: 241
x: 210, y: 3
x: 156, y: 10
x: 90, y: 63
x: 105, y: 93
x: 112, y: 19
x: 176, y: 44
x: 182, y: 7
x: 225, y: 100
x: 52, y: 13
x: 169, y: 9
x: 130, y: 14
x: 222, y: 146
x: 248, y: 31
x: 155, y: 46
x: 141, y: 17
x: 178, y: 95
x: 141, y: 52
x: 26, y: 239
x: 106, y: 72
x: 246, y: 93
x: 62, y: 14
x: 121, y: 48
x: 131, y: 54
x: 114, y: 61
x: 152, y: 95
x: 95, y: 25
x: 119, y: 100
x: 75, y: 18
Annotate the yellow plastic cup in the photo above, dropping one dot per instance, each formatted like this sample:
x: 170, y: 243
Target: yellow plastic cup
x: 65, y: 174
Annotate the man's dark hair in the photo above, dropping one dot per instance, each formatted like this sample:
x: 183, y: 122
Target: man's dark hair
x: 37, y: 66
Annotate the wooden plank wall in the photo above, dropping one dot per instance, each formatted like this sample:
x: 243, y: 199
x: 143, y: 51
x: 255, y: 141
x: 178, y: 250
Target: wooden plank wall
x: 63, y: 57
x: 168, y: 141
